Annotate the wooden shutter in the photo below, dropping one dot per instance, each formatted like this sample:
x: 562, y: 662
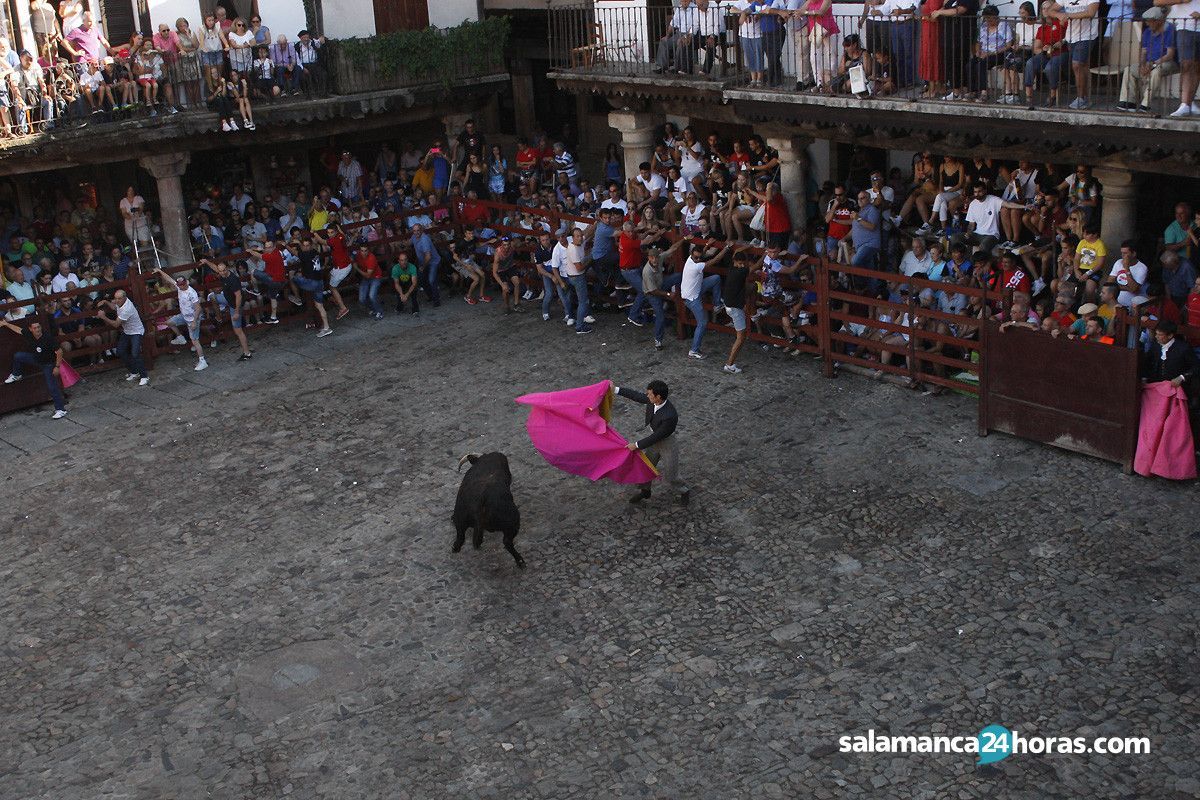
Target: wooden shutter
x: 401, y: 15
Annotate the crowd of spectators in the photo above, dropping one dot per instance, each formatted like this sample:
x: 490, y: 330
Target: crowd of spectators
x: 704, y: 221
x: 78, y: 77
x: 946, y: 49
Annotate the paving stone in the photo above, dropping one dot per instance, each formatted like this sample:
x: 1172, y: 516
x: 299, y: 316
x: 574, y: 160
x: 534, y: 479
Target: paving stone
x: 257, y: 598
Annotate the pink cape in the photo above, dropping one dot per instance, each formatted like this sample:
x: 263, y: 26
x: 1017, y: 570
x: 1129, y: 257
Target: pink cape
x: 1164, y: 434
x: 570, y: 429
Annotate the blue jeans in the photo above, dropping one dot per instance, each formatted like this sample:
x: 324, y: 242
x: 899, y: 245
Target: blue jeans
x: 548, y: 290
x: 712, y: 285
x: 311, y: 285
x: 634, y: 278
x: 697, y: 308
x: 368, y: 294
x: 579, y: 285
x: 23, y: 360
x: 129, y: 349
x: 1055, y: 68
x: 902, y: 35
x: 866, y: 257
x: 288, y: 81
x: 430, y: 273
x: 660, y: 316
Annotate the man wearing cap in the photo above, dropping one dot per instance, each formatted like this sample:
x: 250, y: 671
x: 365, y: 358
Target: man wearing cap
x: 1087, y: 313
x: 308, y: 53
x: 1141, y: 82
x: 188, y: 318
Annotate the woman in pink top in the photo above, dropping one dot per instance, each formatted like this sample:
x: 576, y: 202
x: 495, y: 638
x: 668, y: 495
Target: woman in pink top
x: 824, y: 48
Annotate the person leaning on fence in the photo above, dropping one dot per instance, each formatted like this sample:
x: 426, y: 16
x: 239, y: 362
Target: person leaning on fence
x: 674, y: 51
x: 308, y: 54
x: 40, y: 350
x: 1184, y: 15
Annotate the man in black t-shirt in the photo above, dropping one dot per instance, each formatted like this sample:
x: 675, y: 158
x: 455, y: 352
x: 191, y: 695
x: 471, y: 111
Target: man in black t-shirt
x: 467, y: 142
x: 311, y: 280
x: 229, y: 298
x: 734, y: 293
x: 41, y: 351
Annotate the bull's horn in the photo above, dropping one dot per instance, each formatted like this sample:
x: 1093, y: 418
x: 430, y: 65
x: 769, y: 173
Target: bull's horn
x: 464, y: 458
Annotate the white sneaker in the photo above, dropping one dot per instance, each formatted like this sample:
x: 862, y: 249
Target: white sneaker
x: 696, y: 355
x: 589, y: 319
x: 1196, y: 108
x: 924, y: 229
x: 12, y: 379
x: 59, y: 413
x: 232, y: 125
x: 248, y: 124
x: 658, y: 344
x: 129, y: 376
x: 144, y: 382
x: 324, y: 332
x: 201, y: 365
x: 1038, y: 285
x: 570, y: 322
x: 1182, y: 111
x: 732, y: 369
x: 179, y: 340
x: 225, y: 126
x: 545, y: 317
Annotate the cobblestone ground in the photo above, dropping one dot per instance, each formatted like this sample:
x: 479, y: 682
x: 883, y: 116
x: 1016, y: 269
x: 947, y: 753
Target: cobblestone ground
x: 239, y: 584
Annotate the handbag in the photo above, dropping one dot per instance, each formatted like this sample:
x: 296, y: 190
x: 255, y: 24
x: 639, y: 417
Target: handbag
x: 760, y: 217
x: 67, y: 375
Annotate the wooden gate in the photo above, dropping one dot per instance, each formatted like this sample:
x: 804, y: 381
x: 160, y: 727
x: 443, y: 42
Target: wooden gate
x: 400, y: 15
x: 1079, y: 396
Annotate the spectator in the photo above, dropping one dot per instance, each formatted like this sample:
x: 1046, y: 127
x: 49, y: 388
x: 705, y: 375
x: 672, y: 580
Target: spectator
x: 1183, y: 14
x: 212, y: 51
x: 956, y: 23
x: 311, y: 280
x: 44, y: 23
x: 287, y: 69
x: 1050, y: 55
x: 133, y: 210
x: 734, y: 300
x: 308, y: 53
x: 1175, y: 237
x: 691, y: 288
x: 917, y: 262
x: 64, y: 279
x: 187, y: 72
x: 1083, y: 27
x: 366, y: 264
x: 219, y: 100
x: 428, y: 261
x: 262, y: 34
x: 1018, y: 56
x: 86, y: 42
x: 238, y: 93
x: 264, y: 71
x: 1142, y: 82
x: 41, y: 350
x: 1178, y: 276
x: 240, y: 46
x: 1130, y: 275
x: 995, y: 43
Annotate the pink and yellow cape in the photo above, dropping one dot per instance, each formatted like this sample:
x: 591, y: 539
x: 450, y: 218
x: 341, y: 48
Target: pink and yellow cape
x: 571, y: 430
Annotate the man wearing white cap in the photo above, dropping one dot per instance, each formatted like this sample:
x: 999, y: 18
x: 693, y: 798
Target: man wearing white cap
x: 1141, y: 82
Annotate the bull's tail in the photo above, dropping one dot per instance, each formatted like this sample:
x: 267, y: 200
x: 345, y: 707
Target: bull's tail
x: 472, y: 457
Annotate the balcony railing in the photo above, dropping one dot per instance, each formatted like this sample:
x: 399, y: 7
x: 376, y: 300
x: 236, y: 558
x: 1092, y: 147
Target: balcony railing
x: 1094, y: 65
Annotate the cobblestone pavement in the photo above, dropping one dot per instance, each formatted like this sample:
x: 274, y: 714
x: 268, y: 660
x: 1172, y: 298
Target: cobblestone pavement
x: 239, y: 584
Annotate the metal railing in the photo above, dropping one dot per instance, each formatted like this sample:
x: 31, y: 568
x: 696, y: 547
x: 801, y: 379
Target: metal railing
x: 1098, y: 65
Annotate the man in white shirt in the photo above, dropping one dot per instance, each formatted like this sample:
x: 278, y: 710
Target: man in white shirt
x: 576, y: 269
x: 1182, y: 14
x: 1083, y: 26
x: 239, y: 200
x: 188, y: 318
x: 647, y: 188
x: 614, y: 200
x: 710, y: 32
x: 1130, y: 275
x: 677, y: 43
x: 916, y: 261
x: 350, y: 174
x: 983, y: 217
x: 129, y: 342
x: 692, y: 287
x: 64, y: 279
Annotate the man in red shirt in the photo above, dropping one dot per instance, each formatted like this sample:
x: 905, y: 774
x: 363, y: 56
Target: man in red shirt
x: 837, y: 220
x: 339, y: 256
x: 1062, y: 311
x: 1051, y: 60
x: 630, y: 261
x: 528, y: 163
x: 366, y: 264
x: 274, y: 276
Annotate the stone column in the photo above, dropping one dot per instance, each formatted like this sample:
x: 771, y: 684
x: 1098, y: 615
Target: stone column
x: 167, y: 169
x: 793, y: 174
x: 637, y: 137
x: 1119, y: 221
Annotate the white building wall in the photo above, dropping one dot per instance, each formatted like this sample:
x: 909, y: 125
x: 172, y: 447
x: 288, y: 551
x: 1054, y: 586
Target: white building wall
x: 449, y: 13
x: 346, y: 18
x: 281, y: 16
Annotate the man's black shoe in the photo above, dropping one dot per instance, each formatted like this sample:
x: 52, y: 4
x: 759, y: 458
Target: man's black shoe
x: 684, y: 497
x: 643, y: 494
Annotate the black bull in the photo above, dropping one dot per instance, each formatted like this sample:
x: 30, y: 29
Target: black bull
x: 485, y: 503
